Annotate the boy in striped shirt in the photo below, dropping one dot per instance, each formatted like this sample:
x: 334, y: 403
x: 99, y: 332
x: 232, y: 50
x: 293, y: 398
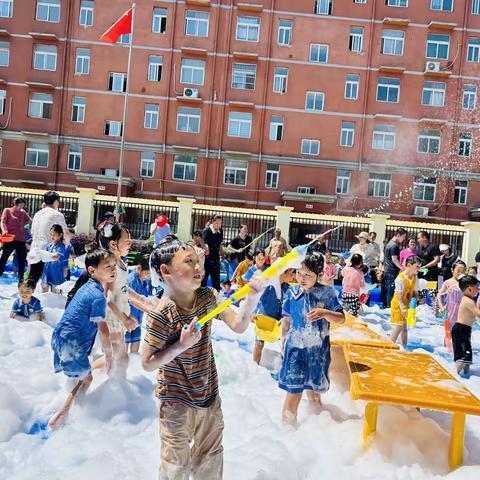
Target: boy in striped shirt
x: 187, y: 378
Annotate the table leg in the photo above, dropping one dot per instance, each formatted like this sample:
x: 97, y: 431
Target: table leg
x: 457, y: 436
x: 369, y: 423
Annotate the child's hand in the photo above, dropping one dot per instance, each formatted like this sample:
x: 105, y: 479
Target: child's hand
x: 257, y: 284
x: 55, y: 256
x: 190, y: 335
x: 13, y: 314
x: 403, y: 309
x: 41, y: 317
x: 130, y: 323
x: 317, y: 314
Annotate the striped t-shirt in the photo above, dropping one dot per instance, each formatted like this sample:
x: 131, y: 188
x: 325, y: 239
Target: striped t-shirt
x: 191, y: 377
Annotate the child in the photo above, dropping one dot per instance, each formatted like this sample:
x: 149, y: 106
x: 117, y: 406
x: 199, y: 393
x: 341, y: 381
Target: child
x: 53, y: 272
x: 26, y: 304
x: 309, y: 308
x: 473, y: 271
x: 341, y: 264
x: 462, y: 330
x: 270, y: 305
x: 138, y: 281
x: 329, y: 270
x: 353, y: 281
x: 66, y: 258
x: 187, y: 379
x: 258, y: 266
x: 405, y: 289
x: 74, y: 335
x: 227, y: 289
x: 242, y: 269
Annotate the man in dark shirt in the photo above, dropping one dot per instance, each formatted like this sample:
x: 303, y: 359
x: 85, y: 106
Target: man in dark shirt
x: 240, y: 242
x: 213, y: 237
x: 430, y: 256
x: 391, y: 266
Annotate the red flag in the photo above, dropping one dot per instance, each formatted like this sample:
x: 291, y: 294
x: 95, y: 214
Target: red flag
x: 121, y: 26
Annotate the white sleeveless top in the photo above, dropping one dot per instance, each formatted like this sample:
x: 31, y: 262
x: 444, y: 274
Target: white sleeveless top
x: 119, y: 290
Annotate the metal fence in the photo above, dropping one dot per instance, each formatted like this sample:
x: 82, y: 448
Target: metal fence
x: 138, y: 216
x: 34, y: 201
x: 257, y: 223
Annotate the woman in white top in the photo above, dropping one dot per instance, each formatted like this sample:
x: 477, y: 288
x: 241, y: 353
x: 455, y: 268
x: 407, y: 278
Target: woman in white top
x: 363, y: 247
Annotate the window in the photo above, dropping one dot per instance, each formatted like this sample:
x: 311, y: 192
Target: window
x: 437, y: 46
x: 240, y: 124
x: 360, y: 1
x: 280, y: 80
x: 397, y: 3
x: 388, y: 90
x: 310, y: 147
x: 461, y: 191
x: 124, y: 39
x: 272, y: 175
x: 147, y: 164
x: 4, y: 54
x: 379, y: 185
x: 465, y: 145
x: 113, y: 128
x: 192, y: 71
x: 347, y: 134
x: 307, y: 190
x: 424, y: 189
x: 196, y: 23
x: 314, y: 101
x: 469, y: 97
x: 79, y: 104
x: 473, y: 51
x: 235, y: 172
x: 3, y: 94
x: 188, y: 119
x: 444, y: 5
x: 276, y: 127
x: 383, y: 137
x: 48, y: 11
x: 185, y: 168
x: 244, y: 76
x: 476, y: 7
x: 151, y: 116
x: 429, y: 141
x: 82, y: 61
x: 6, y: 8
x: 155, y: 66
x: 45, y: 57
x: 284, y: 32
x: 74, y: 161
x: 85, y: 18
x: 248, y: 29
x: 323, y: 7
x: 318, y: 53
x: 40, y: 105
x: 343, y: 182
x: 392, y: 42
x: 433, y: 94
x: 117, y: 82
x: 159, y: 20
x: 36, y: 155
x: 356, y: 39
x: 351, y: 86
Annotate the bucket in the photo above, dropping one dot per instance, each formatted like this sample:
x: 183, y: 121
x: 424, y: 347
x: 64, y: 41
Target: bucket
x: 7, y: 238
x: 267, y: 328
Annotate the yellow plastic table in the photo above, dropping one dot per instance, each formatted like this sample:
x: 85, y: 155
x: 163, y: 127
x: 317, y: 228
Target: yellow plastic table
x: 358, y: 333
x: 412, y: 379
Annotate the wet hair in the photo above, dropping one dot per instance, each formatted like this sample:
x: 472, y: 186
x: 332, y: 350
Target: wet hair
x: 19, y: 200
x: 111, y: 233
x: 144, y: 262
x: 50, y: 198
x: 356, y: 260
x: 165, y: 251
x: 27, y: 283
x: 57, y: 229
x: 96, y: 256
x: 314, y: 262
x: 424, y: 234
x: 413, y: 260
x: 198, y: 233
x: 257, y: 252
x: 467, y: 281
x: 249, y: 256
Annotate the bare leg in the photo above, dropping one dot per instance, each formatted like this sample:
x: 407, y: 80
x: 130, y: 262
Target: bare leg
x: 257, y: 352
x: 459, y: 366
x: 134, y: 347
x: 80, y: 389
x: 120, y: 356
x: 314, y: 402
x: 290, y: 408
x: 404, y: 335
x: 395, y: 332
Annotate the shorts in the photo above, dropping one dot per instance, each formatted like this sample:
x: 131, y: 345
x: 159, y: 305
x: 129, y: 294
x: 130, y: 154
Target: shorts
x: 134, y: 336
x: 351, y: 303
x: 462, y: 343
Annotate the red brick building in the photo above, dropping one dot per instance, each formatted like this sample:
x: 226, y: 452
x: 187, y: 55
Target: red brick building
x: 335, y: 106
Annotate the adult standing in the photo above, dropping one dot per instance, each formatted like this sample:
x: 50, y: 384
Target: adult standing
x: 41, y: 224
x: 160, y: 228
x: 447, y: 260
x: 108, y: 218
x: 13, y: 222
x: 213, y: 237
x: 392, y: 265
x: 240, y: 242
x: 277, y: 247
x: 430, y: 256
x: 363, y: 247
x: 374, y: 258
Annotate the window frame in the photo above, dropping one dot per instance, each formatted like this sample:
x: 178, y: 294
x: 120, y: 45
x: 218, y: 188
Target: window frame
x: 469, y: 95
x: 81, y: 59
x: 76, y: 156
x: 186, y: 166
x: 78, y: 107
x: 355, y: 44
x: 148, y: 159
x: 377, y: 185
x: 38, y: 151
x: 421, y: 186
x: 280, y: 80
x: 353, y: 84
x: 342, y: 184
x: 311, y: 142
x: 272, y: 176
x: 51, y: 6
x: 154, y: 66
x: 197, y: 22
x: 437, y: 44
x: 248, y: 26
x: 434, y: 90
x: 44, y: 56
x: 189, y: 72
x: 152, y: 116
x: 431, y: 138
x: 159, y: 19
x: 284, y: 33
x: 459, y: 192
x: 5, y: 47
x: 45, y: 105
x: 237, y: 167
x: 237, y: 124
x: 88, y: 12
x: 114, y: 78
x: 6, y: 4
x: 191, y: 115
x: 242, y: 74
x: 275, y: 126
x: 385, y: 133
x: 389, y: 84
x: 395, y: 41
x: 350, y: 132
x: 327, y: 7
x: 465, y: 145
x: 110, y: 123
x: 442, y: 9
x: 319, y: 47
x: 473, y: 50
x: 315, y: 95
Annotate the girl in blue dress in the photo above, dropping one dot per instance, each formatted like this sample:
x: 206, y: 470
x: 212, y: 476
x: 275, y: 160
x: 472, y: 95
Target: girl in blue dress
x: 53, y: 273
x: 308, y: 309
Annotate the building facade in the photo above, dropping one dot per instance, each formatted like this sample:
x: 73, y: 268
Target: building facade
x: 331, y: 106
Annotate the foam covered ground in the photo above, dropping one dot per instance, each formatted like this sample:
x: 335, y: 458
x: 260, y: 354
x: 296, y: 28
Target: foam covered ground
x: 113, y: 434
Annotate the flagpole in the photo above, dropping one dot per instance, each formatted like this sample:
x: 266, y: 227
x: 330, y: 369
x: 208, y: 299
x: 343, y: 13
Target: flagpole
x: 124, y: 121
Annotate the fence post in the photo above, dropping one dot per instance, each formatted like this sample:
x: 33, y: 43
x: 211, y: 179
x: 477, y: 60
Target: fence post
x: 379, y: 226
x: 283, y: 220
x: 471, y: 241
x: 85, y: 210
x: 185, y: 210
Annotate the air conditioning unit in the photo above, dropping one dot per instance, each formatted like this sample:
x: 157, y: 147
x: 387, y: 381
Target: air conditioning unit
x: 432, y: 67
x: 190, y: 92
x: 421, y: 212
